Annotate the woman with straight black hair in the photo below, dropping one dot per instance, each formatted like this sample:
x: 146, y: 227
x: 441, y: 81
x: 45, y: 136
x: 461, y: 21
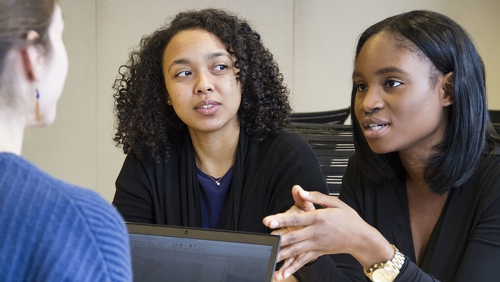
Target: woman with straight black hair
x: 420, y: 200
x: 468, y: 118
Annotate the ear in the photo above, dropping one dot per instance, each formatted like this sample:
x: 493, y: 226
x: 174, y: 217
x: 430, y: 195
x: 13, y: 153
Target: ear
x: 447, y: 89
x: 32, y: 58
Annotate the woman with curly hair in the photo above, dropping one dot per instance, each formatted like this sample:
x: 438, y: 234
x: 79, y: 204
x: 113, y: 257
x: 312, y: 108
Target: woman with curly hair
x: 200, y: 110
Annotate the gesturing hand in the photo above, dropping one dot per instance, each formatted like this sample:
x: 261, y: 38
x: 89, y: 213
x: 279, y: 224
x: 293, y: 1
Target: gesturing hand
x: 307, y: 233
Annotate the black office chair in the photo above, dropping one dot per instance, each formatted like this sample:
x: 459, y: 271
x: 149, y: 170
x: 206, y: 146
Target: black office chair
x: 333, y: 145
x: 495, y: 116
x: 331, y: 117
x: 495, y: 119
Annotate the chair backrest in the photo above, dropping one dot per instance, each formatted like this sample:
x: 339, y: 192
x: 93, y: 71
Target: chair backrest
x: 333, y: 145
x: 331, y: 117
x: 496, y: 126
x: 495, y: 116
x: 495, y: 119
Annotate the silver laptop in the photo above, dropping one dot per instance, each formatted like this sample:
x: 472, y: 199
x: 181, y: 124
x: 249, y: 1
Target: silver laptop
x: 171, y: 253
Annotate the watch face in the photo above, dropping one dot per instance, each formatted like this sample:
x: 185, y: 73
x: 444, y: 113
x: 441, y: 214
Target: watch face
x: 383, y: 275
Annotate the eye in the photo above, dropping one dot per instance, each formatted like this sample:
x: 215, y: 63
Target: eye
x: 361, y: 87
x: 183, y: 74
x: 220, y: 67
x: 392, y: 83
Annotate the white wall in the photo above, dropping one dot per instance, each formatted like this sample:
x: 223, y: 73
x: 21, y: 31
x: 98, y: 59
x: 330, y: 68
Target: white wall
x: 326, y: 34
x: 67, y: 149
x: 313, y: 41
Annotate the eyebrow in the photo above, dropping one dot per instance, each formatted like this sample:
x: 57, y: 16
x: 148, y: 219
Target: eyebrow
x: 381, y: 71
x: 179, y: 62
x: 216, y: 54
x: 187, y: 61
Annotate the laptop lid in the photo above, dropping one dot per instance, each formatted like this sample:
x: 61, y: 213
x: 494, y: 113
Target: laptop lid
x: 172, y: 253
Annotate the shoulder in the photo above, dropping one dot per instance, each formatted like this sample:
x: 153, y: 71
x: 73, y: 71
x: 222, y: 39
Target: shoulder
x: 288, y: 149
x: 286, y: 137
x: 78, y: 224
x: 31, y: 181
x: 102, y: 227
x: 488, y: 169
x: 290, y: 154
x: 14, y: 166
x: 486, y: 178
x: 94, y: 211
x: 286, y: 142
x: 145, y: 162
x: 283, y: 160
x: 489, y: 161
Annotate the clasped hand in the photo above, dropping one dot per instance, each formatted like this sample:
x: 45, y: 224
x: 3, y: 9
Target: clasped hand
x: 307, y: 233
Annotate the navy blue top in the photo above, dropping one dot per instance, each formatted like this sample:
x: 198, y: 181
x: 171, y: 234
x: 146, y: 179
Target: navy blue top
x: 213, y: 197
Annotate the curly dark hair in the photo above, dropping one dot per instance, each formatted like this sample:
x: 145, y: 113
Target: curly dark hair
x: 143, y: 119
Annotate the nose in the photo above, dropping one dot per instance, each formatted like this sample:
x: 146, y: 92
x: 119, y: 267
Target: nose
x: 370, y: 101
x: 204, y: 84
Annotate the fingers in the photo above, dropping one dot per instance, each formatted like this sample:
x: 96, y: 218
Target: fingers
x: 304, y: 202
x: 290, y: 219
x: 285, y: 230
x: 291, y: 211
x: 295, y: 243
x: 320, y: 199
x: 297, y: 263
x: 288, y: 262
x: 279, y: 275
x: 294, y: 264
x: 300, y: 202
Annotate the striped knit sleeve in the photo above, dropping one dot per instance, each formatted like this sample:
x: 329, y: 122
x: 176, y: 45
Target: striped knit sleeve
x: 53, y: 231
x: 107, y: 233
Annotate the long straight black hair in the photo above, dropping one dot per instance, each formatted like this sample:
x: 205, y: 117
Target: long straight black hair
x: 450, y: 49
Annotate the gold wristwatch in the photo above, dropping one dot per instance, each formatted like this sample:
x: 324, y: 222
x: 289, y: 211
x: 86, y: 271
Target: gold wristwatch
x: 387, y: 271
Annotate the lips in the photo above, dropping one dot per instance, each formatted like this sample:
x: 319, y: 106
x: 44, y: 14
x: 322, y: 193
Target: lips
x: 206, y: 104
x: 375, y: 126
x: 207, y: 107
x: 373, y: 123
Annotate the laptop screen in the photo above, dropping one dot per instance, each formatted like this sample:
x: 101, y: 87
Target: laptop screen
x: 166, y: 253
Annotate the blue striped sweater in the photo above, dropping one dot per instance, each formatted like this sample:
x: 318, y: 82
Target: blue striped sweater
x: 53, y: 231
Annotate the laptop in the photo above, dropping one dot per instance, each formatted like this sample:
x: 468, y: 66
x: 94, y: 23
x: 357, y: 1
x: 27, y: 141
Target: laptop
x: 172, y: 253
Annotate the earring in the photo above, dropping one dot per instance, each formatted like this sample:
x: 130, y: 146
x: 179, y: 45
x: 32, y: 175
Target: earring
x: 37, y: 108
x: 169, y: 102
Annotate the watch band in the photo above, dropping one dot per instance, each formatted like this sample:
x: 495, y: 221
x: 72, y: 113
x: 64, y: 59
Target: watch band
x: 387, y: 271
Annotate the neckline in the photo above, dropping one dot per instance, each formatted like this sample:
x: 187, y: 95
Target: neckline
x: 217, y: 180
x: 403, y: 193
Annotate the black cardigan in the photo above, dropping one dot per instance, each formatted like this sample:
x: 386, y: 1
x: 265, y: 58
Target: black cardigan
x: 263, y: 176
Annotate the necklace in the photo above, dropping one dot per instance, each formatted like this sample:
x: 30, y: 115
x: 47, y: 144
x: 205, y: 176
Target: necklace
x: 216, y: 180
